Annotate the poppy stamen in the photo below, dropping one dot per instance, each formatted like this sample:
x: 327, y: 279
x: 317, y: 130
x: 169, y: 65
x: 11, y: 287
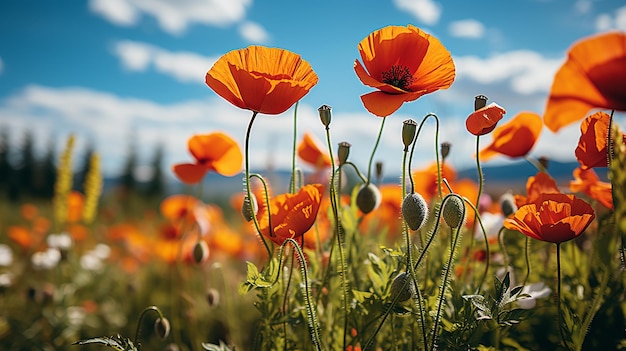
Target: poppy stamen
x: 398, y: 76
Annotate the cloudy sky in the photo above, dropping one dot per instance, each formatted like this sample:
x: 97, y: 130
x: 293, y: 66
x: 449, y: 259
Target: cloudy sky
x: 116, y: 72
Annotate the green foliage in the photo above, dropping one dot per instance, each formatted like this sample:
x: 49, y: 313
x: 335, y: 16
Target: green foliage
x: 117, y: 343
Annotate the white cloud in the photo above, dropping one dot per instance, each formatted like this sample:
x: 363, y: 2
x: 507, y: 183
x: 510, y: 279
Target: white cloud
x: 525, y: 71
x: 583, y: 6
x: 182, y: 66
x: 469, y: 28
x: 172, y: 16
x: 605, y: 22
x: 426, y: 11
x: 253, y: 32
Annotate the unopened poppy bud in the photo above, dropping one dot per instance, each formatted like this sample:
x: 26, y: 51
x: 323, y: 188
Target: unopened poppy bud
x: 213, y: 297
x: 379, y: 170
x: 343, y: 152
x: 249, y: 208
x: 409, y: 127
x: 414, y: 211
x: 453, y: 211
x: 507, y: 204
x: 200, y: 252
x: 401, y: 288
x: 480, y: 101
x: 162, y: 327
x: 445, y: 149
x: 325, y: 115
x: 368, y: 198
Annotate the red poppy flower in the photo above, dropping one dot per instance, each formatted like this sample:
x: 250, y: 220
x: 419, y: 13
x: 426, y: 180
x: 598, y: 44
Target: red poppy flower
x: 213, y: 152
x: 292, y: 215
x: 587, y: 181
x: 515, y: 138
x: 485, y: 119
x: 592, y: 150
x: 541, y: 183
x: 554, y: 218
x: 403, y: 63
x: 593, y: 76
x: 310, y: 151
x: 261, y: 79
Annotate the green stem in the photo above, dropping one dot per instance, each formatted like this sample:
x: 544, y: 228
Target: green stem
x: 369, y: 166
x: 558, y: 294
x: 436, y: 152
x: 292, y: 185
x: 141, y: 316
x: 527, y: 257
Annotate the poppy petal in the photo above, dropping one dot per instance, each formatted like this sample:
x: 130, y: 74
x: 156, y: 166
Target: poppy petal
x: 382, y: 104
x: 189, y: 173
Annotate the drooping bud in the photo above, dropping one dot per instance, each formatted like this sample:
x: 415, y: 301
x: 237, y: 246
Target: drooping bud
x: 379, y: 171
x: 453, y: 211
x: 249, y: 208
x: 414, y: 211
x: 402, y: 288
x: 200, y: 252
x: 445, y: 149
x: 409, y: 127
x: 507, y: 204
x: 325, y: 115
x: 162, y: 328
x: 480, y: 101
x: 368, y: 198
x: 343, y: 152
x: 213, y: 297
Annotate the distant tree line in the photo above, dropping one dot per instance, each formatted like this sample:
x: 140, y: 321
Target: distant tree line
x: 28, y: 175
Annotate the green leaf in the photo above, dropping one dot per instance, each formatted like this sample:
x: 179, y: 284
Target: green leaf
x: 115, y: 342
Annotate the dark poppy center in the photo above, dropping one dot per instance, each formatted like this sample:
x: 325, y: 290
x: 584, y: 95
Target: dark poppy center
x: 398, y: 76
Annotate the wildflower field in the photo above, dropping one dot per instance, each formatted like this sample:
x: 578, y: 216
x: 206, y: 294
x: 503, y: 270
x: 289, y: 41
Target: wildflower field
x: 339, y: 258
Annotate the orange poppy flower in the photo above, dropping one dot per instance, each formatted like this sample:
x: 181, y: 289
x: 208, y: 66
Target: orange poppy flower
x: 515, y: 138
x: 261, y: 79
x: 403, y: 63
x: 592, y: 150
x: 292, y: 215
x: 554, y: 218
x: 75, y: 204
x: 22, y: 236
x: 178, y: 207
x: 213, y: 152
x: 425, y: 180
x: 310, y: 151
x: 592, y: 76
x: 587, y: 181
x: 541, y: 183
x: 485, y: 119
x: 388, y: 214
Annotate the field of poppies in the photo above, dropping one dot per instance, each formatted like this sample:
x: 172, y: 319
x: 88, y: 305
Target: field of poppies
x: 342, y: 260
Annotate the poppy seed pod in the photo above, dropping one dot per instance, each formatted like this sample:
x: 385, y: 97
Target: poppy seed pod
x: 445, y: 149
x: 368, y: 198
x: 507, y: 204
x: 249, y: 208
x: 343, y: 152
x: 453, y: 211
x: 379, y: 170
x: 162, y: 327
x: 200, y: 252
x: 480, y: 101
x: 401, y: 288
x: 325, y: 115
x: 409, y: 127
x: 414, y: 211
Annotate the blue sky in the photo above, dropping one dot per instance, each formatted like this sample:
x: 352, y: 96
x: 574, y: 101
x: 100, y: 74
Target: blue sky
x: 116, y: 71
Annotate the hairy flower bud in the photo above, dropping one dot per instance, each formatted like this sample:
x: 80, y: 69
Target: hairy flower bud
x: 325, y: 115
x: 249, y: 208
x: 162, y: 327
x: 343, y: 151
x: 200, y: 252
x: 480, y: 101
x: 368, y: 198
x: 402, y: 287
x: 445, y: 149
x: 409, y: 127
x: 507, y: 204
x: 414, y: 211
x: 453, y: 211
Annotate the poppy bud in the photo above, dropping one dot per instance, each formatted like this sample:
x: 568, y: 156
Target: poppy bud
x: 414, y: 211
x: 453, y: 212
x: 507, y: 204
x: 200, y: 252
x: 401, y: 288
x: 343, y: 151
x: 368, y: 198
x: 325, y: 115
x: 213, y: 297
x: 480, y: 101
x: 409, y: 127
x: 379, y: 171
x: 162, y: 327
x: 249, y: 208
x: 445, y: 149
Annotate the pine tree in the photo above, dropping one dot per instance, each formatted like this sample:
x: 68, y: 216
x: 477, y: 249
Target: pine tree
x: 155, y: 186
x: 127, y: 180
x: 46, y: 173
x: 6, y: 169
x: 26, y: 166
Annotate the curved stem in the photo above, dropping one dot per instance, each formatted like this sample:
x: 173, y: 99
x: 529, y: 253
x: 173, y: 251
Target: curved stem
x: 436, y: 151
x: 380, y: 133
x: 141, y: 316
